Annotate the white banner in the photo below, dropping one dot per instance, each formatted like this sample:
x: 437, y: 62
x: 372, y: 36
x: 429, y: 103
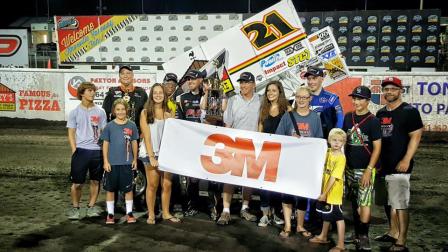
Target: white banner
x: 271, y: 162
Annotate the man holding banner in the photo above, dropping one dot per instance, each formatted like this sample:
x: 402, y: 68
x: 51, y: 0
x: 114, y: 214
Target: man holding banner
x: 241, y: 113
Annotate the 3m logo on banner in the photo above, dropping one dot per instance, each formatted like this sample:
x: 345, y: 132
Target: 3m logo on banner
x: 236, y: 153
x: 9, y: 45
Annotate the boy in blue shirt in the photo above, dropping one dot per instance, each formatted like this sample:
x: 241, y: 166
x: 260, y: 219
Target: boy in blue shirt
x: 120, y: 158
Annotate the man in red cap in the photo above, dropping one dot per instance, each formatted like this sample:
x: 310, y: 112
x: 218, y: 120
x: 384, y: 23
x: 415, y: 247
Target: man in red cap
x: 401, y: 129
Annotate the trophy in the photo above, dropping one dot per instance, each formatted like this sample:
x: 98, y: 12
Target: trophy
x: 213, y: 111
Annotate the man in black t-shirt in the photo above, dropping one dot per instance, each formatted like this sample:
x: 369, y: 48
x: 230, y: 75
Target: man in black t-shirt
x: 401, y: 127
x: 189, y: 102
x: 188, y: 108
x: 136, y: 97
x: 362, y: 152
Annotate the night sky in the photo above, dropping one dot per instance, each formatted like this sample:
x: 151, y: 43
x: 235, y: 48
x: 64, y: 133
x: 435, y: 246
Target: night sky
x: 19, y: 8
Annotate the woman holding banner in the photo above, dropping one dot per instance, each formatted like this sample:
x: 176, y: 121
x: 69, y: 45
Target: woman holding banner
x: 152, y: 121
x: 301, y: 122
x: 273, y: 105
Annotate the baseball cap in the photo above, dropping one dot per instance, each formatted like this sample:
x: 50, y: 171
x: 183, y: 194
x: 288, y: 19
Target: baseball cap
x: 362, y: 92
x: 125, y: 67
x: 392, y: 81
x: 246, y: 76
x: 194, y: 74
x: 314, y: 71
x: 170, y: 77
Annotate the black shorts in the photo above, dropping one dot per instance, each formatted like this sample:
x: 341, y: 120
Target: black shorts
x: 118, y: 179
x: 84, y: 160
x: 331, y: 213
x: 298, y: 202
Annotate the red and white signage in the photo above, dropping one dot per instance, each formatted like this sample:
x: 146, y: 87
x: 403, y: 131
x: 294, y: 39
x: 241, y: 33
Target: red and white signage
x: 13, y: 48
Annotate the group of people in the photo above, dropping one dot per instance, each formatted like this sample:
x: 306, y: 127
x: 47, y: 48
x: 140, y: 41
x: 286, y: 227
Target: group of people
x: 365, y: 151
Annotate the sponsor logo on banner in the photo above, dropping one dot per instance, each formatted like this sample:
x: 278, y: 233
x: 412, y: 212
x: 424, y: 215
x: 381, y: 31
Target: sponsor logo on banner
x: 329, y: 20
x: 416, y: 29
x: 343, y: 29
x: 432, y: 28
x: 270, y: 60
x: 357, y: 29
x: 299, y: 58
x: 356, y: 49
x: 9, y: 45
x: 385, y: 39
x: 387, y: 19
x: 372, y: 19
x: 399, y: 59
x: 402, y: 19
x: 433, y: 19
x: 357, y: 19
x: 401, y: 39
x: 335, y: 68
x: 7, y: 98
x: 315, y: 20
x: 356, y: 59
x: 314, y: 29
x: 370, y: 59
x: 294, y: 48
x: 386, y: 29
x: 371, y: 40
x: 415, y: 59
x: 78, y: 35
x: 324, y: 47
x: 430, y: 59
x: 430, y: 49
x: 38, y: 100
x: 273, y: 64
x: 68, y: 23
x: 342, y: 40
x: 371, y: 29
x: 328, y: 55
x: 244, y: 148
x: 385, y: 59
x: 416, y: 38
x: 73, y: 84
x: 416, y: 49
x: 375, y: 88
x: 431, y: 39
x: 417, y: 18
x: 370, y: 49
x: 343, y: 20
x: 385, y: 49
x: 400, y: 49
x: 401, y: 28
x: 356, y: 39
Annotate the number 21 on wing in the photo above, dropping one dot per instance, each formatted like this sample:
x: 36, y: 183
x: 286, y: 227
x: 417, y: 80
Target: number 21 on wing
x: 272, y: 28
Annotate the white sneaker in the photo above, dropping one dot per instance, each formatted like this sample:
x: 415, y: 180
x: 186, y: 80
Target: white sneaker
x: 277, y: 220
x: 94, y: 211
x: 264, y: 221
x: 73, y: 214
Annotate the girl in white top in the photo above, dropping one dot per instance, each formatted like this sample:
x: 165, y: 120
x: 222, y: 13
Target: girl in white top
x: 152, y: 120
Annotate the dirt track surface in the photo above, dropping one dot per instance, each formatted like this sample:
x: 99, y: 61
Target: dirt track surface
x: 34, y: 197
